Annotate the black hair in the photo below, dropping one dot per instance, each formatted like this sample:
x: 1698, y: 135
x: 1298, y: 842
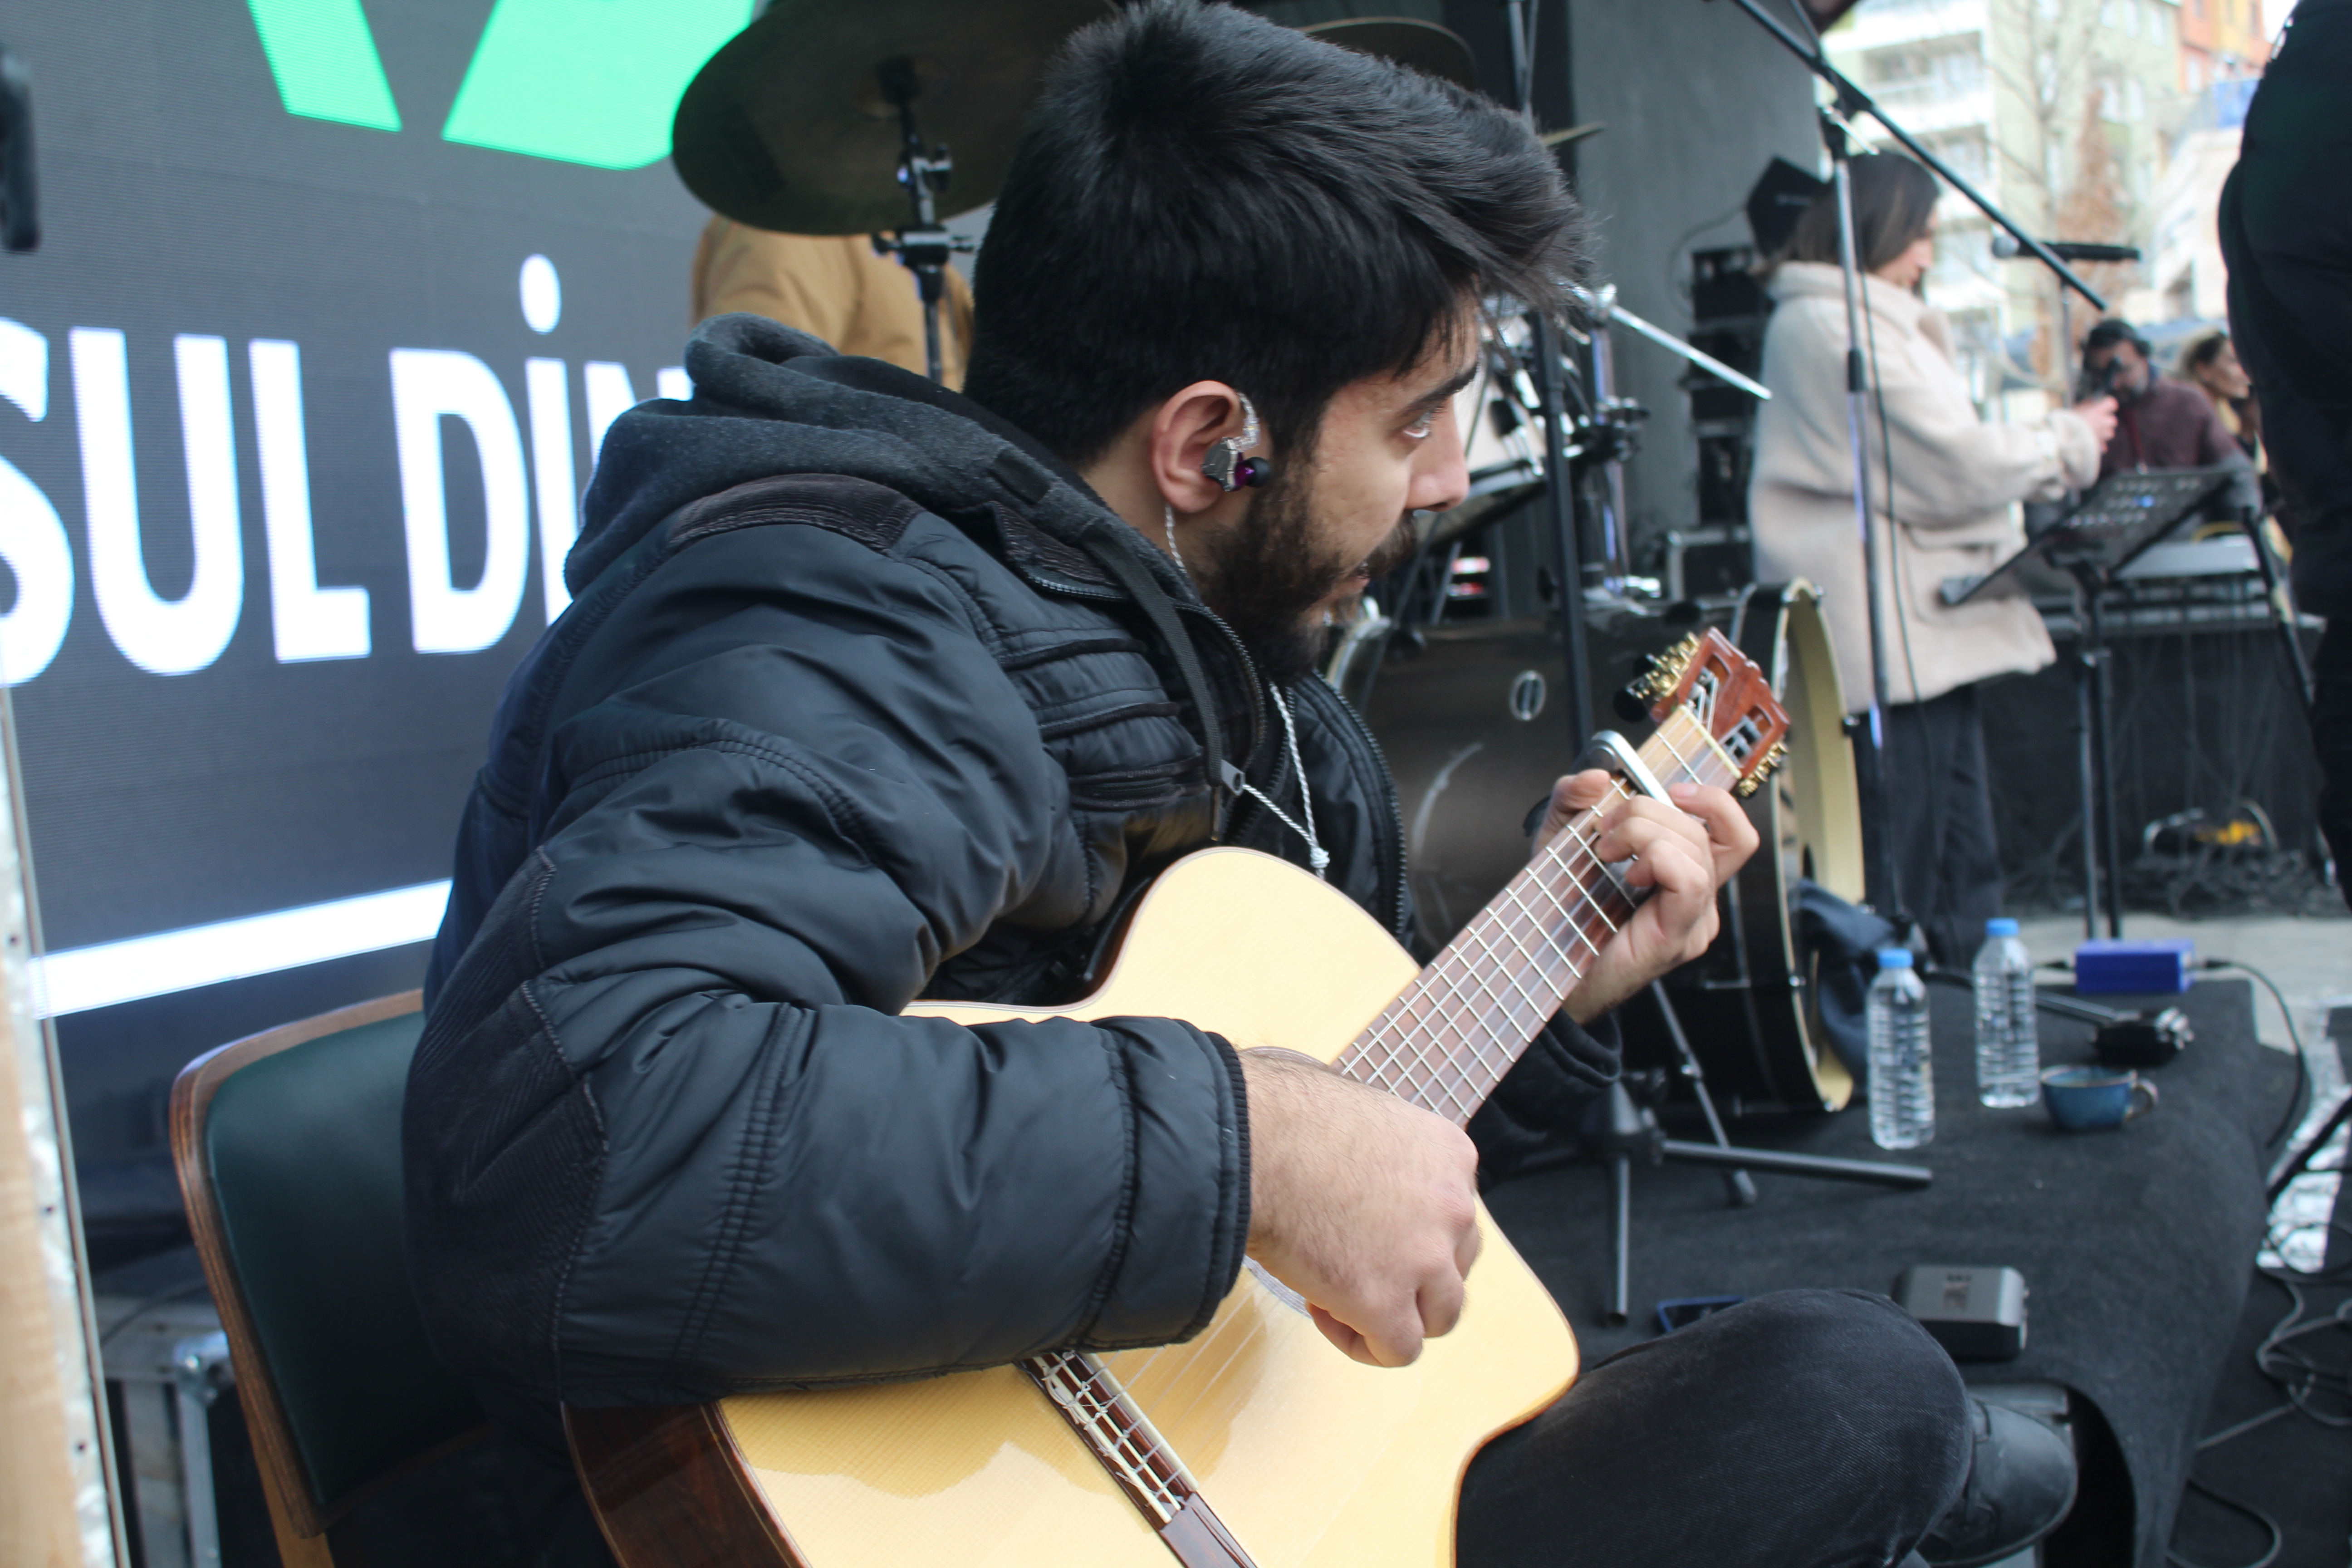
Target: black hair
x: 1200, y: 195
x: 2116, y: 330
x: 1893, y: 203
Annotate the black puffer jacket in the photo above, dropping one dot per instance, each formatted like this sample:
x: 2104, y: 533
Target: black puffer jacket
x: 864, y: 697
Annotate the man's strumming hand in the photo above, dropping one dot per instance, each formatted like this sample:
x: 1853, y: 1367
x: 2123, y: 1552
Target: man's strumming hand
x: 1361, y: 1203
x: 1685, y: 851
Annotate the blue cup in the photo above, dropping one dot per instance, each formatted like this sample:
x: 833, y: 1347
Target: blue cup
x: 2091, y: 1098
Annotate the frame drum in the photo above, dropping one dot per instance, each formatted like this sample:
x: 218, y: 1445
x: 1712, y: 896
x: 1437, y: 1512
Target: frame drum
x: 1474, y: 743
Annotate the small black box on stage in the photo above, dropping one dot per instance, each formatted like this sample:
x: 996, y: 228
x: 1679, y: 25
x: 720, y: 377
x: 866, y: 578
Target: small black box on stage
x: 2141, y: 1039
x: 1976, y: 1314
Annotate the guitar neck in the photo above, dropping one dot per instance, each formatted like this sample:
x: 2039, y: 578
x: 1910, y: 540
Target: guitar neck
x: 1449, y: 1039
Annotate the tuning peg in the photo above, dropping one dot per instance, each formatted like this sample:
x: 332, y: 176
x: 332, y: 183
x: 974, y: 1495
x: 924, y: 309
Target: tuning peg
x: 1762, y: 771
x: 1666, y: 670
x: 1630, y: 704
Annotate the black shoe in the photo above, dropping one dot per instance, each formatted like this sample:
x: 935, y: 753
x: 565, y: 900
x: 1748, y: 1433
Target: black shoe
x: 2021, y: 1488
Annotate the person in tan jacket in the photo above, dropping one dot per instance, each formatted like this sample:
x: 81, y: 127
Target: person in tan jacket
x: 830, y: 285
x: 1946, y: 507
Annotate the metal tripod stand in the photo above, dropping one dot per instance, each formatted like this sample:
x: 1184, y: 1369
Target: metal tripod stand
x: 1617, y: 1127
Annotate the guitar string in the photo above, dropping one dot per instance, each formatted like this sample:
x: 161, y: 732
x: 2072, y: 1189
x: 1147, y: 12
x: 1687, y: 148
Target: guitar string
x: 1088, y: 1402
x: 1478, y: 1013
x: 1422, y: 1005
x: 1515, y: 977
x: 1446, y: 978
x: 1441, y: 970
x: 1572, y: 854
x: 1420, y: 1008
x: 1156, y: 1467
x: 1212, y: 1381
x: 1427, y: 1017
x: 1419, y: 1018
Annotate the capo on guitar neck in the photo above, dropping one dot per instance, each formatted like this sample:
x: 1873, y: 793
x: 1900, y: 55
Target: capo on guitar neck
x: 1612, y: 753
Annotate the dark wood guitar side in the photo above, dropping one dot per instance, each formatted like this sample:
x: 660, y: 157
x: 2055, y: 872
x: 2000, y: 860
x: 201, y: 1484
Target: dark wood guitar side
x: 669, y: 1491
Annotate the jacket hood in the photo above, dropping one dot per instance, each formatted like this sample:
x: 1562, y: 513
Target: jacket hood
x: 770, y: 400
x: 1819, y: 280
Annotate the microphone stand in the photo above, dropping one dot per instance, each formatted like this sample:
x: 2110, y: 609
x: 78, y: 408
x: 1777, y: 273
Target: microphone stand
x: 1545, y: 342
x: 1879, y: 873
x: 1852, y: 100
x: 1619, y: 1129
x: 1837, y: 130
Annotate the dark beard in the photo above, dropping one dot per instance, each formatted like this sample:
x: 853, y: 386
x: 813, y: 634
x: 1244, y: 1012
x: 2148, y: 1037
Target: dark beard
x: 1266, y: 579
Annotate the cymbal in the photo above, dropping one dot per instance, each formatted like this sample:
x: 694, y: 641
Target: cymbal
x: 1419, y: 46
x: 787, y: 127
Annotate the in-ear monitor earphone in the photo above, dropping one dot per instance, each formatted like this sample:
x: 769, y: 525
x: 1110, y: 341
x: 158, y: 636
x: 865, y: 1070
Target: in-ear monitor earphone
x: 1225, y: 464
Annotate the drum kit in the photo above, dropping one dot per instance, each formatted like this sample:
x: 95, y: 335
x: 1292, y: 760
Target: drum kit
x: 880, y: 118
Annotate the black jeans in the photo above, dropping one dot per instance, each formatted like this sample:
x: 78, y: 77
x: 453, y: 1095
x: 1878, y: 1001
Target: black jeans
x: 1805, y: 1429
x: 1946, y: 862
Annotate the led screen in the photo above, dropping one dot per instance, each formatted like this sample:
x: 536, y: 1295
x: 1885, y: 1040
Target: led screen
x: 333, y: 306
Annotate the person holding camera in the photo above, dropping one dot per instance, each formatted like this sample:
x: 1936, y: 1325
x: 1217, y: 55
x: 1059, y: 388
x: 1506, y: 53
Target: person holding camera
x: 2160, y: 423
x: 1944, y: 488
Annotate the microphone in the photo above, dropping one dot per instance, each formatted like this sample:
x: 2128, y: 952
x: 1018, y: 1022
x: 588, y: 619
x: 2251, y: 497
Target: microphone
x: 2005, y: 245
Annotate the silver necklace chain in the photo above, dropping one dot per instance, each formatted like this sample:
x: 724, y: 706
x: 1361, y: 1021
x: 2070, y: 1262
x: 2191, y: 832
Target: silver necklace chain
x: 1317, y: 857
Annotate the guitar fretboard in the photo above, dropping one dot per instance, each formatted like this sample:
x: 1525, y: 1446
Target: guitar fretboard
x: 1449, y: 1039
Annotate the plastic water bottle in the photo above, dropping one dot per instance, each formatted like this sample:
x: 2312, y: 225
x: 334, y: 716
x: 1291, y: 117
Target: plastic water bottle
x: 2009, y: 1054
x: 1902, y: 1075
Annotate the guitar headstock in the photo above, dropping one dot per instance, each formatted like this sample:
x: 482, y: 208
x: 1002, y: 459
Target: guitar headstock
x: 1728, y: 695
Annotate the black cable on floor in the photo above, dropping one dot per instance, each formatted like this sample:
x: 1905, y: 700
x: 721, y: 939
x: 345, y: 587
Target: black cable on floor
x: 2298, y: 1377
x: 2298, y: 1097
x: 2277, y: 1535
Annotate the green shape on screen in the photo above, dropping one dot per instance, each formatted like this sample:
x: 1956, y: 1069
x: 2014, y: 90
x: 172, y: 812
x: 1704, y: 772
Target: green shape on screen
x: 587, y: 81
x: 325, y: 59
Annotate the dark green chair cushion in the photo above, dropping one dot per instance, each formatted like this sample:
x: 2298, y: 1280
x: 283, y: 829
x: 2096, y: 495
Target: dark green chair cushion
x: 304, y: 1148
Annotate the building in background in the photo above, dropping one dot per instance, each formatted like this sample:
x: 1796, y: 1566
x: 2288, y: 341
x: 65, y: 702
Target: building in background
x: 2186, y: 280
x: 2065, y: 114
x: 2221, y: 40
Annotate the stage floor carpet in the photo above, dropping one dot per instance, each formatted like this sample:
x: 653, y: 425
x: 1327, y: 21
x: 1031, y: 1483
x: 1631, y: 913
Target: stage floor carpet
x: 2136, y: 1245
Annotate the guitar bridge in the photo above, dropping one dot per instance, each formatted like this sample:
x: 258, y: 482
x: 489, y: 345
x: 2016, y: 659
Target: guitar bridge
x: 1139, y: 1458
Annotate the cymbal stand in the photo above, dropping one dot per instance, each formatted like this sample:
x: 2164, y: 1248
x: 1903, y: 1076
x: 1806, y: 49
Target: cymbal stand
x: 1617, y: 1127
x: 924, y: 245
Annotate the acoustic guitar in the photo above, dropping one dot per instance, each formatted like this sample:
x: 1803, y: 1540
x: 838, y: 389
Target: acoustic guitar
x: 1255, y: 1442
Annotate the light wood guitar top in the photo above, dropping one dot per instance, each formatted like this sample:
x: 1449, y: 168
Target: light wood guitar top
x: 1256, y: 1443
x: 1307, y: 1457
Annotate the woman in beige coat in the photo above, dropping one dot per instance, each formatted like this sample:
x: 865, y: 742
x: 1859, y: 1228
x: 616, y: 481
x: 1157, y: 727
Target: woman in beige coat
x: 1948, y: 509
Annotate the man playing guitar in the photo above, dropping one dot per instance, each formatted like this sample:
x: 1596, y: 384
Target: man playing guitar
x: 872, y: 691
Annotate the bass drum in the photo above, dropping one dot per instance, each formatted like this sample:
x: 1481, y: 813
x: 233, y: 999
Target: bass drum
x: 1474, y: 739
